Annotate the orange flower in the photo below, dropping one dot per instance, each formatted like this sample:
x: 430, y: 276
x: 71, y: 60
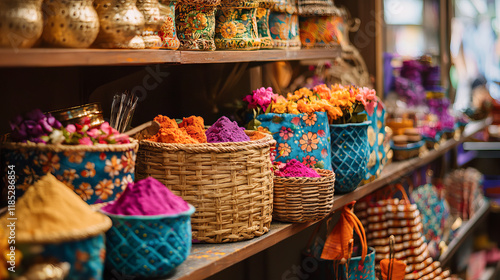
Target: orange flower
x: 286, y: 133
x: 104, y: 189
x: 309, y: 161
x: 310, y: 119
x: 284, y: 149
x: 85, y: 191
x: 309, y: 142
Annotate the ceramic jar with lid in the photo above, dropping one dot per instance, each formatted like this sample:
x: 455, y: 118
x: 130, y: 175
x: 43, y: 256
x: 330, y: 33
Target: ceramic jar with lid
x: 153, y: 21
x: 168, y: 32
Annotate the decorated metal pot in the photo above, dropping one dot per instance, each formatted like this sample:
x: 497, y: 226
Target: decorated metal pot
x: 153, y: 22
x: 70, y: 23
x: 96, y: 173
x: 262, y: 16
x: 168, y: 32
x: 236, y: 25
x: 195, y: 22
x: 121, y: 24
x: 21, y: 23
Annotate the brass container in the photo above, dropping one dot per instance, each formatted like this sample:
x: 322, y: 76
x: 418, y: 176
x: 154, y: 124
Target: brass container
x: 150, y: 9
x: 21, y: 23
x: 70, y: 23
x: 75, y: 115
x: 168, y: 32
x: 121, y: 24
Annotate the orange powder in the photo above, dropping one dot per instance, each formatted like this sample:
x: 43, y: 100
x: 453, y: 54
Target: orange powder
x: 190, y: 131
x: 175, y: 135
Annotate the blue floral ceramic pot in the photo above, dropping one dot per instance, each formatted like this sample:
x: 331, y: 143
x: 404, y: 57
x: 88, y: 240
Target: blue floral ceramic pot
x: 350, y: 154
x: 98, y: 173
x: 236, y: 26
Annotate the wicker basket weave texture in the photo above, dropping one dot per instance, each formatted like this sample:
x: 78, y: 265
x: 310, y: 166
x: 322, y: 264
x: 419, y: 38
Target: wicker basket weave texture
x: 230, y: 184
x: 303, y: 199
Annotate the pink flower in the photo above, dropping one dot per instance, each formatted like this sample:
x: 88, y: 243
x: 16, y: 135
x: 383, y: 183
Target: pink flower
x: 86, y: 141
x: 261, y: 97
x: 296, y: 120
x: 122, y: 138
x: 94, y: 133
x: 370, y: 107
x: 71, y: 128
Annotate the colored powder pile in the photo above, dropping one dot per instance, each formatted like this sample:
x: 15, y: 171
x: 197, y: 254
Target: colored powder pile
x: 49, y: 210
x: 195, y: 127
x: 295, y: 168
x: 190, y: 131
x: 145, y: 198
x: 224, y: 130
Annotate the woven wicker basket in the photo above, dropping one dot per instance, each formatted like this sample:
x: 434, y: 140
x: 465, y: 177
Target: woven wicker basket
x: 229, y: 184
x: 300, y: 199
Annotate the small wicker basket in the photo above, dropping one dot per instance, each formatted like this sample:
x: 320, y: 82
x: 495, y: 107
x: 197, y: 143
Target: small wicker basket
x: 229, y: 184
x: 302, y: 199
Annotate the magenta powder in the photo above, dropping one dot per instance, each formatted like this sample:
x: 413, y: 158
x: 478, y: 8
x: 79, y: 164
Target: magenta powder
x: 224, y: 130
x: 295, y: 168
x: 146, y: 198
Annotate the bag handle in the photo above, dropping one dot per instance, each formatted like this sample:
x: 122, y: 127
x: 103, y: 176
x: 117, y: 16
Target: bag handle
x: 358, y: 227
x: 391, y: 256
x: 403, y: 192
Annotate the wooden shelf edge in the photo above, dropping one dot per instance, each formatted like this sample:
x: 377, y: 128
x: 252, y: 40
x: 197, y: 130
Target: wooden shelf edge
x: 114, y: 57
x: 245, y: 249
x: 465, y: 231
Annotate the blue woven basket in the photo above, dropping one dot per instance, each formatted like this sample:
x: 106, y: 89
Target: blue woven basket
x: 350, y: 153
x: 148, y: 246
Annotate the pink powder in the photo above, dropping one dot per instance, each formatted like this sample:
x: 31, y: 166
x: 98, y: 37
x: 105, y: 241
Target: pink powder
x: 295, y: 168
x: 224, y: 130
x: 146, y: 198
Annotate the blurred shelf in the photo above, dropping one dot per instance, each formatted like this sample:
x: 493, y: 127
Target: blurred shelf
x: 100, y: 57
x: 207, y: 259
x: 465, y: 231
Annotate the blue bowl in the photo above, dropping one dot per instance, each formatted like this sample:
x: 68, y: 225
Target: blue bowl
x: 148, y: 246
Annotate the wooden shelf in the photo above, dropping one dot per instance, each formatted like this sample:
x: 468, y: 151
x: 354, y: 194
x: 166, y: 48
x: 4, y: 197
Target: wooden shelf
x: 208, y: 259
x: 463, y: 232
x: 99, y: 57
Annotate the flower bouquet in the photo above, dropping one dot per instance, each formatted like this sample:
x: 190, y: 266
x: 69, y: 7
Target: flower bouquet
x: 96, y: 163
x: 323, y: 128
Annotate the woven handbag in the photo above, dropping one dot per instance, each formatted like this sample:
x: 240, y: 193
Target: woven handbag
x: 303, y: 199
x: 230, y: 184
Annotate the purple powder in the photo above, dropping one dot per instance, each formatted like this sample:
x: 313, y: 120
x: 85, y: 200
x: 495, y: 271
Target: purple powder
x: 224, y: 130
x: 295, y: 168
x: 147, y: 197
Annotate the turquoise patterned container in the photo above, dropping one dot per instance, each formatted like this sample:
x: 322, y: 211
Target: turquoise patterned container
x: 367, y: 271
x: 148, y: 246
x: 98, y: 173
x: 86, y: 257
x: 350, y: 153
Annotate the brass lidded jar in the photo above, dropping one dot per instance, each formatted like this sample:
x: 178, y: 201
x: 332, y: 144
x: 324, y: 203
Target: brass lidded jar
x: 21, y: 23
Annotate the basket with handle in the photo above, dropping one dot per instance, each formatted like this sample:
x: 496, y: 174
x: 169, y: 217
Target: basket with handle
x: 230, y: 184
x: 303, y: 199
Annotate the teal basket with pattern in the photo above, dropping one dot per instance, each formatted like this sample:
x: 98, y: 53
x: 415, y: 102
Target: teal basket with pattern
x: 350, y: 153
x: 148, y: 246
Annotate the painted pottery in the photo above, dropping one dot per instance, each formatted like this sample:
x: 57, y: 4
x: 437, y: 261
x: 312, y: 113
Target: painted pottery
x: 153, y: 20
x: 167, y: 32
x: 195, y: 23
x: 236, y: 26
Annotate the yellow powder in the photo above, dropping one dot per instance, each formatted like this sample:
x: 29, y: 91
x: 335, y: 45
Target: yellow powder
x: 50, y: 212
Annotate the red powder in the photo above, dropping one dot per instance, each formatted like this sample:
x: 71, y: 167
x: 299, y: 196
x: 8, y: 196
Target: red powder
x: 295, y: 168
x: 147, y: 197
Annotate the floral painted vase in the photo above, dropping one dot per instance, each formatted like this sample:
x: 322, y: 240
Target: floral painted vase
x: 167, y: 32
x: 319, y: 32
x: 153, y: 21
x: 283, y: 25
x: 262, y: 15
x: 21, y: 23
x: 71, y: 24
x: 236, y: 26
x: 195, y: 22
x: 121, y: 24
x: 376, y: 137
x: 95, y: 173
x: 350, y: 153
